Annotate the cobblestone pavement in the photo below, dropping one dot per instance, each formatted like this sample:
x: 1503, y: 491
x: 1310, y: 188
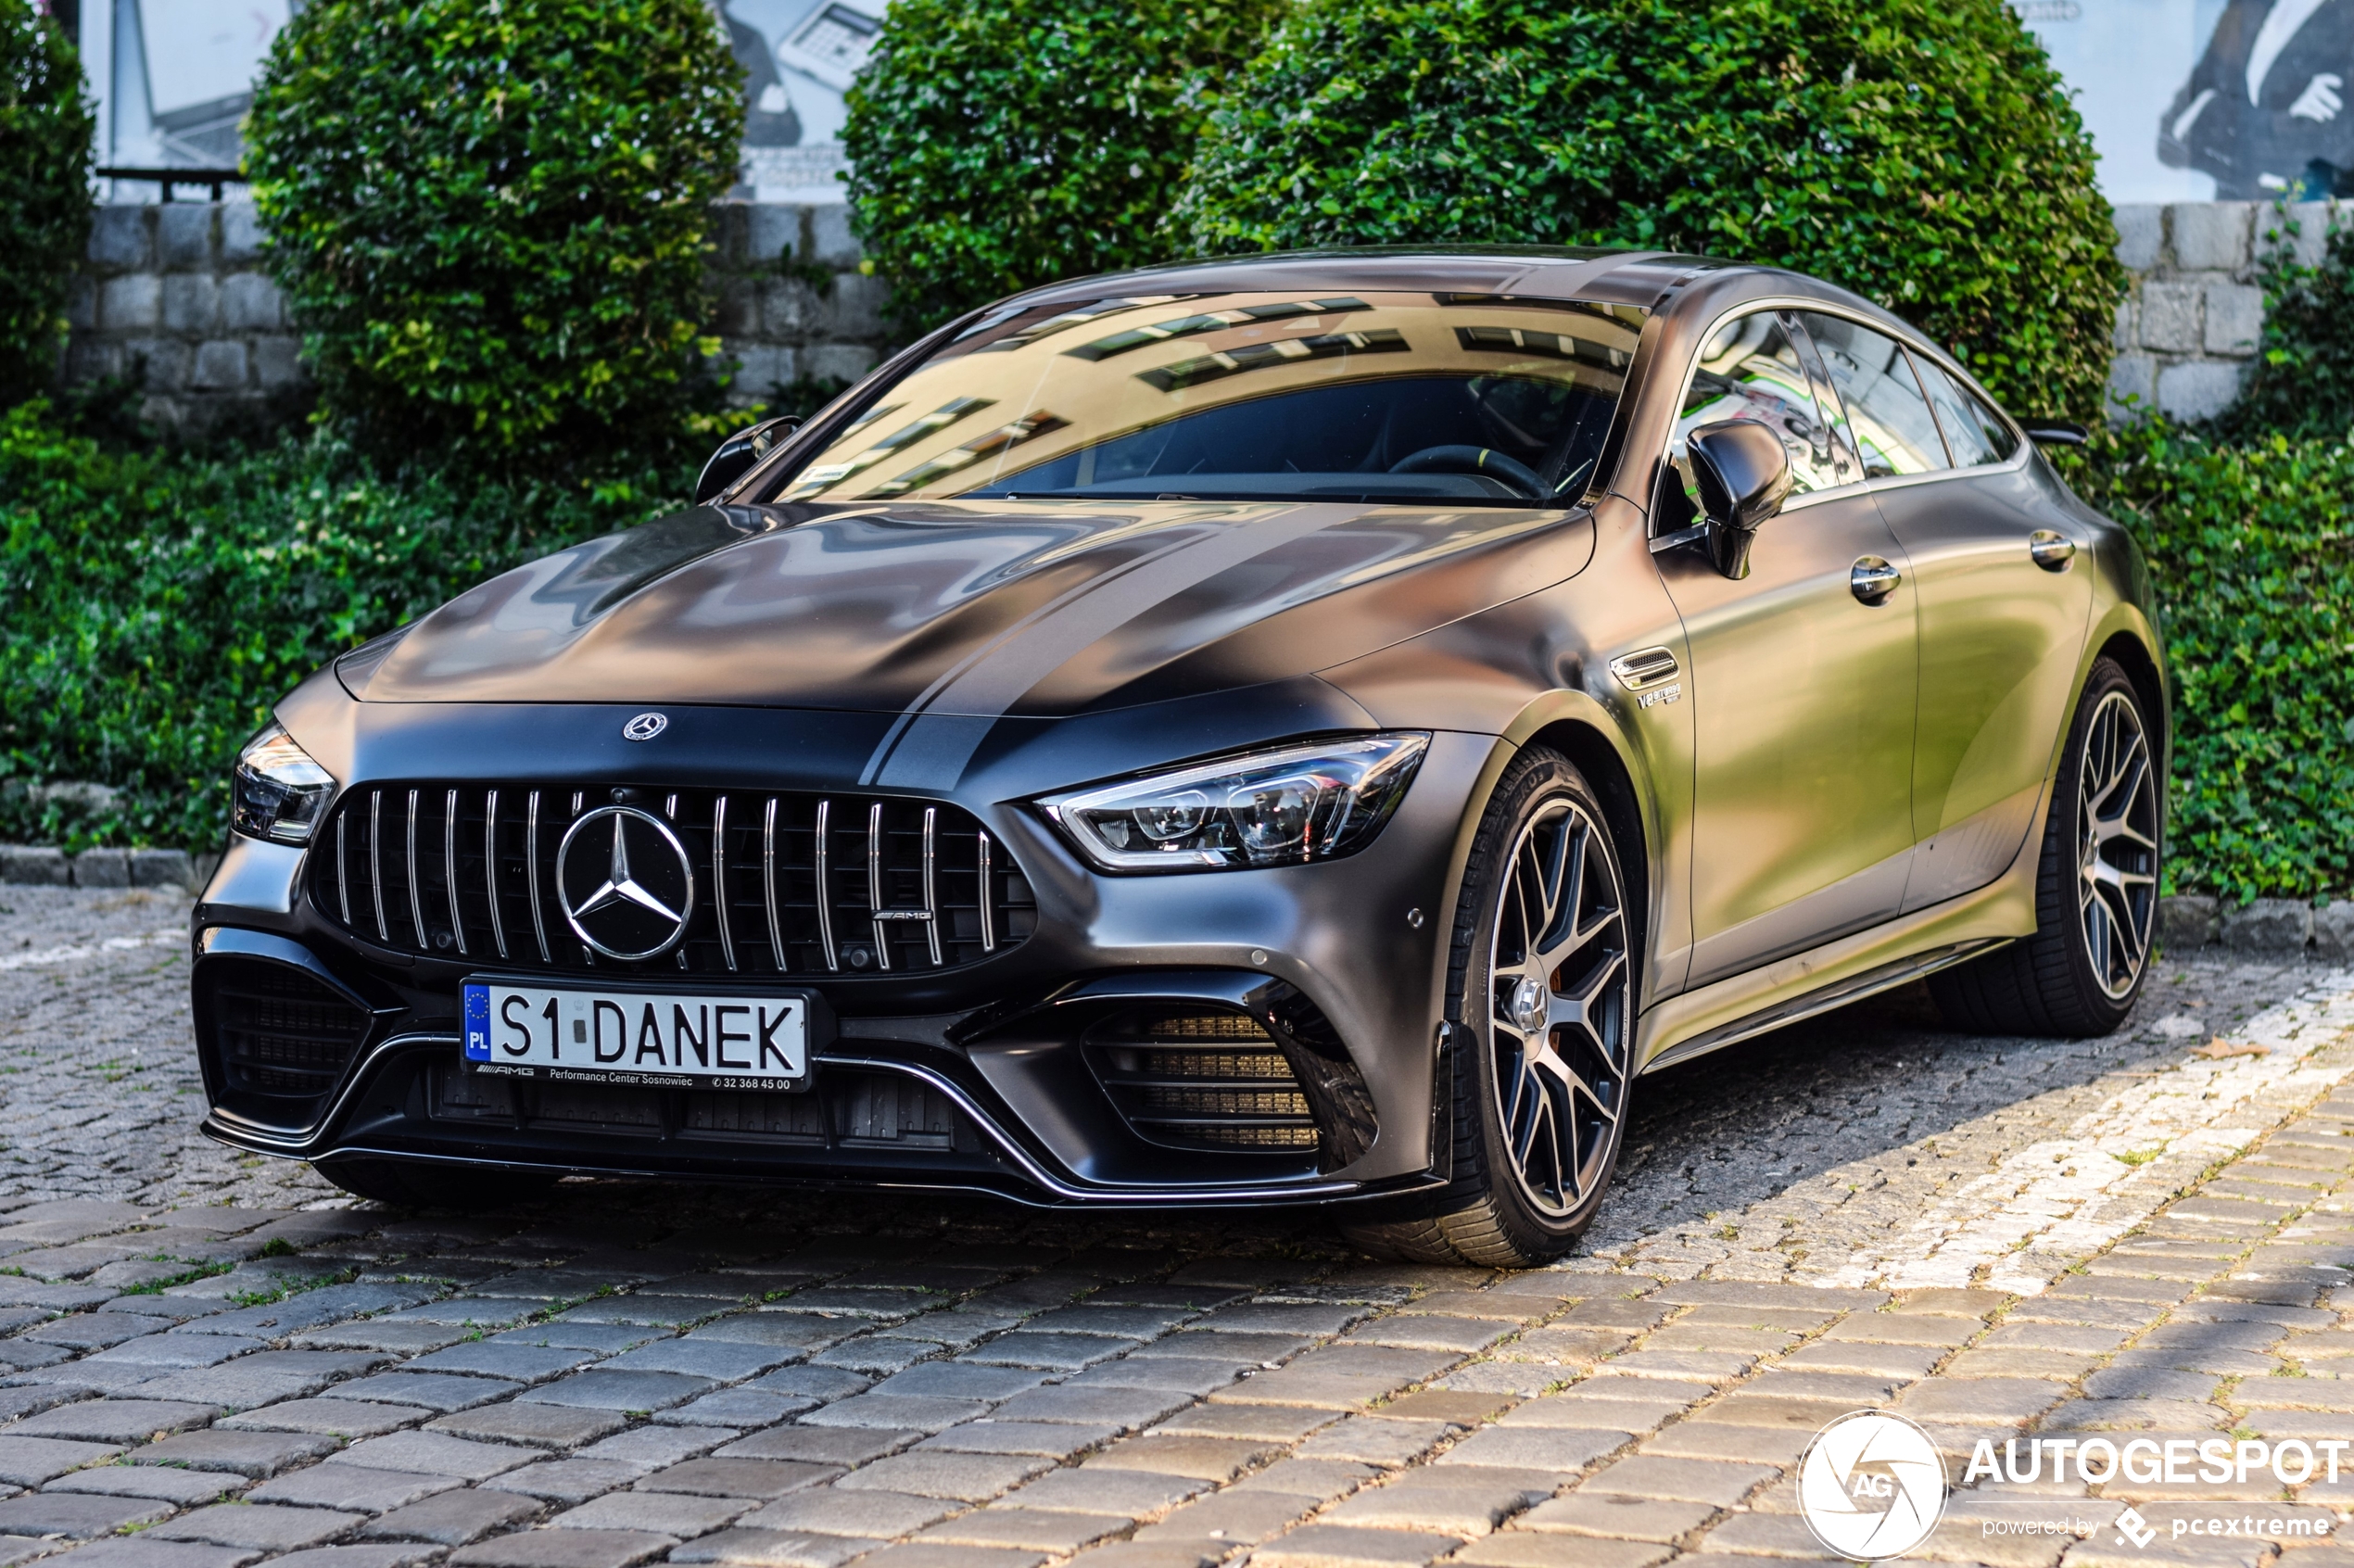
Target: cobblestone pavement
x: 207, y: 1362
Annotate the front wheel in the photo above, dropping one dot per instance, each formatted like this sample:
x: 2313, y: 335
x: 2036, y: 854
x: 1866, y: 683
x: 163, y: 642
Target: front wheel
x: 2095, y: 886
x: 1541, y: 995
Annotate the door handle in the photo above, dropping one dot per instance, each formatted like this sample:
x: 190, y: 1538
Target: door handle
x: 2050, y: 549
x: 1873, y: 579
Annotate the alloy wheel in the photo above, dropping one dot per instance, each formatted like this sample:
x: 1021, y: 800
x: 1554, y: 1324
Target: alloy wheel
x: 1560, y: 1010
x: 2116, y: 844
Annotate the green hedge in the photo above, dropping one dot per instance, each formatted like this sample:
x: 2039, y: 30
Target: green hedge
x: 2302, y: 382
x: 44, y: 191
x: 2252, y: 549
x: 995, y: 146
x: 154, y: 606
x: 492, y: 221
x: 1921, y: 152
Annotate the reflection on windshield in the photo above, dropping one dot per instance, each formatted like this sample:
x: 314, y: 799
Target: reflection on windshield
x: 1407, y: 396
x: 940, y: 418
x: 1265, y: 356
x: 1209, y: 321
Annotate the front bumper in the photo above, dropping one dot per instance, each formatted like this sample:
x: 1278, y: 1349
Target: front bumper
x: 987, y: 1078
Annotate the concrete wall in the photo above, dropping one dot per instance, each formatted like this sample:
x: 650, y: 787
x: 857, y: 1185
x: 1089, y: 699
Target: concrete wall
x: 174, y: 299
x: 2186, y: 331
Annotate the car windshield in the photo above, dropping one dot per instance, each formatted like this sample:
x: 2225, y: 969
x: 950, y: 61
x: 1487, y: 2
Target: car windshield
x: 1364, y: 396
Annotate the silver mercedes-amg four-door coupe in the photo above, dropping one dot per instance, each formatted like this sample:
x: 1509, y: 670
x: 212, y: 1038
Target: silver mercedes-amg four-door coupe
x: 1315, y: 729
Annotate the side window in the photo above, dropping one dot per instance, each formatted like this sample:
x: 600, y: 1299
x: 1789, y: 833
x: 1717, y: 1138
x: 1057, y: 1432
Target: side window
x: 1750, y: 369
x: 1845, y: 464
x: 1887, y: 413
x: 1971, y: 428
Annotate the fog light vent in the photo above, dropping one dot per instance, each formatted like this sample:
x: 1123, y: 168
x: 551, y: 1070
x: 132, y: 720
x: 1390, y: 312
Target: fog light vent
x: 1203, y: 1080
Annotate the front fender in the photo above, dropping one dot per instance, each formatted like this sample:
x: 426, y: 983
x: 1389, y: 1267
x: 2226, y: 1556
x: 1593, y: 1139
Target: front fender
x: 1537, y: 671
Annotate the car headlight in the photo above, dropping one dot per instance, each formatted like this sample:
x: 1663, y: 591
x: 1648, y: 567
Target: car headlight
x: 277, y: 792
x: 1315, y: 801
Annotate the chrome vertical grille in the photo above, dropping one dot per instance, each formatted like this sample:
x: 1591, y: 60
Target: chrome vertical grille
x: 376, y: 861
x: 490, y: 865
x: 789, y: 884
x: 449, y: 873
x: 720, y: 899
x: 531, y: 868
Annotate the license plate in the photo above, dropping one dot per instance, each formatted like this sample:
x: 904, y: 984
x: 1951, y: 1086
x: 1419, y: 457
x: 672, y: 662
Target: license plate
x: 666, y: 1039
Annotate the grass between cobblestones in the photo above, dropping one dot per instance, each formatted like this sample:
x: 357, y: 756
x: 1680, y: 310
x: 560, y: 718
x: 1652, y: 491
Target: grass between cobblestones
x: 586, y: 1388
x: 630, y: 1373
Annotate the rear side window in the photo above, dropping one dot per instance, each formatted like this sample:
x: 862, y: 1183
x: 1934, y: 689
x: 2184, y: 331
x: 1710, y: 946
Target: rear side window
x: 1972, y: 430
x: 1887, y: 415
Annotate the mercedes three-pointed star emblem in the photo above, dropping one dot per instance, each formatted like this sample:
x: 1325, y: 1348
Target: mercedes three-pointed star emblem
x: 638, y: 903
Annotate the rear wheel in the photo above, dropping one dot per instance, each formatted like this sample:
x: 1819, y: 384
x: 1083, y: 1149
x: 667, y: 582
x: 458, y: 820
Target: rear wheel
x: 1541, y: 995
x: 405, y: 1185
x: 2095, y: 886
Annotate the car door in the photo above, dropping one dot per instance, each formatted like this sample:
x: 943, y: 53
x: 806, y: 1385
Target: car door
x: 1999, y: 634
x: 1802, y: 689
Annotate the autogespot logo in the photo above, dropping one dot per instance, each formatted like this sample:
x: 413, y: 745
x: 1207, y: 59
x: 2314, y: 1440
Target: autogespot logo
x: 1872, y: 1486
x: 2148, y: 1461
x: 2174, y: 1462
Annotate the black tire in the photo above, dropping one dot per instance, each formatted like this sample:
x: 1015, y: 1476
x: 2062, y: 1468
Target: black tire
x: 2095, y: 885
x: 1535, y: 1128
x: 405, y: 1185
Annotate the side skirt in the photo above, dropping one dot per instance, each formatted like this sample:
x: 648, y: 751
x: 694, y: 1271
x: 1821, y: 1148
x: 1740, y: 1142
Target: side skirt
x: 1839, y: 972
x: 1838, y: 994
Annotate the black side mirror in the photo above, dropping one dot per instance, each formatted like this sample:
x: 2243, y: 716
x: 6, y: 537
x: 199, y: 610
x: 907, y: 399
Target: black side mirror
x: 738, y: 452
x: 2056, y: 433
x: 1744, y: 473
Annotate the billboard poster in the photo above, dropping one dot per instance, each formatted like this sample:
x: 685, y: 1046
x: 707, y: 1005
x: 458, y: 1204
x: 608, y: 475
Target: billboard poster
x: 2201, y: 100
x: 173, y: 78
x: 2186, y: 100
x: 798, y: 60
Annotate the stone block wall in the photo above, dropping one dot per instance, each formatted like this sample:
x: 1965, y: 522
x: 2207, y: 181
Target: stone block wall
x: 174, y: 293
x: 173, y: 298
x: 2187, y: 329
x: 793, y: 306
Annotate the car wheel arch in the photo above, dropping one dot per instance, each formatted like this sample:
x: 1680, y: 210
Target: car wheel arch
x: 1573, y: 724
x: 2141, y: 665
x: 1594, y: 755
x: 2122, y: 633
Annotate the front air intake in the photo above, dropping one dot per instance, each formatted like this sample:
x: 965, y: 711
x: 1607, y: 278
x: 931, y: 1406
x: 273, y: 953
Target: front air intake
x: 1202, y: 1080
x: 282, y: 1038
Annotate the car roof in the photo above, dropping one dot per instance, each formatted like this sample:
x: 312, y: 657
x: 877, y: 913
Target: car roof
x: 1608, y: 275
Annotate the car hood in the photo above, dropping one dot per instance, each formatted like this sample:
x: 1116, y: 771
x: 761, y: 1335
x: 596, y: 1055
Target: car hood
x: 978, y: 608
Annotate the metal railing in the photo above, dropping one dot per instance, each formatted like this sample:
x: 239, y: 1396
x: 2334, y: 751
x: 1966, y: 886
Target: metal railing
x: 169, y: 178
